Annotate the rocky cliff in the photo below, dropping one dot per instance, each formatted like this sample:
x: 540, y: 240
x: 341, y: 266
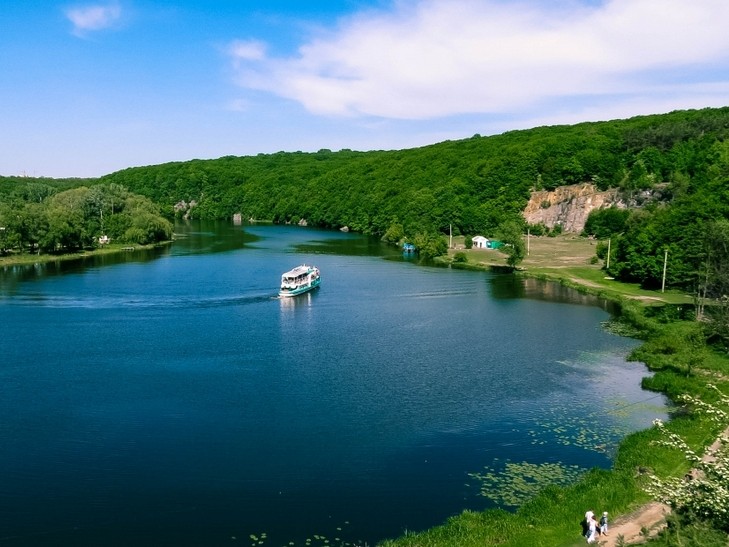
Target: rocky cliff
x: 569, y: 205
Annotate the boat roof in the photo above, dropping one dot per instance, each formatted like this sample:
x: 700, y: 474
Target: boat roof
x: 299, y: 270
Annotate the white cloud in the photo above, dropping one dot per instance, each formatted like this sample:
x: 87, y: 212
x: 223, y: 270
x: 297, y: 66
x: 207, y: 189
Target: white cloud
x: 249, y: 50
x: 433, y: 58
x: 93, y: 17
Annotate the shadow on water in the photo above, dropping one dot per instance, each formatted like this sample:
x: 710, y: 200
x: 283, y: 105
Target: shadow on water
x: 210, y: 237
x: 362, y: 246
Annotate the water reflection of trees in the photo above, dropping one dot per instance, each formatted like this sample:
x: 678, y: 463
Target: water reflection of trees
x: 505, y: 287
x: 11, y: 276
x: 212, y: 236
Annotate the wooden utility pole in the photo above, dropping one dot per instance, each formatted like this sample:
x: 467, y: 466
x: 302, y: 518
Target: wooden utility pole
x: 665, y: 264
x: 528, y: 238
x: 607, y: 263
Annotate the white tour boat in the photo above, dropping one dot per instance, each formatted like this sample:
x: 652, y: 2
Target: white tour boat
x: 299, y: 280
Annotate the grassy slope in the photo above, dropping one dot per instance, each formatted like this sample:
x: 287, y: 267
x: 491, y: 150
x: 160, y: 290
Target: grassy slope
x: 552, y: 518
x: 567, y: 259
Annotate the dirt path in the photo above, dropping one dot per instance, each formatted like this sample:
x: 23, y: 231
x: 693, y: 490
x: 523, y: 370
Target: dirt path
x: 634, y: 527
x: 647, y: 520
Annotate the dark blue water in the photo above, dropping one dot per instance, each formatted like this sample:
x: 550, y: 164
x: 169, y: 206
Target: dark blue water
x: 170, y: 398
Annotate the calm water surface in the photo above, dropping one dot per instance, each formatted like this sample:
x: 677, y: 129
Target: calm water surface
x: 170, y: 398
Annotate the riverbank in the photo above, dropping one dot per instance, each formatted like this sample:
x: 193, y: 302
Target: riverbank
x: 551, y: 519
x: 27, y: 259
x: 569, y: 260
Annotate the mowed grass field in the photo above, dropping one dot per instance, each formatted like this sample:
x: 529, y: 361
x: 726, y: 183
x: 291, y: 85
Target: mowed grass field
x: 567, y: 258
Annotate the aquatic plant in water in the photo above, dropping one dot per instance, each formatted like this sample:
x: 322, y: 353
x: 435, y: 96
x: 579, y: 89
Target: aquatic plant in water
x: 514, y: 483
x: 315, y: 540
x: 518, y: 482
x: 588, y: 429
x: 621, y: 327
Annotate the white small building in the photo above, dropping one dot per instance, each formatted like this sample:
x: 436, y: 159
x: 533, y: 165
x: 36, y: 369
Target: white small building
x: 480, y: 242
x: 103, y: 240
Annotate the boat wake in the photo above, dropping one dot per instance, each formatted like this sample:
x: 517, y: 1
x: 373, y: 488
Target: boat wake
x: 109, y: 302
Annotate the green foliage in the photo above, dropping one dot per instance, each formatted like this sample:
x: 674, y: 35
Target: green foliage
x: 684, y: 531
x: 604, y: 223
x: 147, y: 228
x: 460, y: 258
x: 712, y: 297
x: 394, y: 234
x: 74, y: 219
x: 511, y: 234
x: 706, y: 496
x: 430, y: 245
x: 694, y: 344
x: 679, y: 346
x: 699, y: 169
x: 538, y: 229
x: 601, y: 250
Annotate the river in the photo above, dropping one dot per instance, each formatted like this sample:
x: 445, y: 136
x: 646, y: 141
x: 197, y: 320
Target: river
x: 169, y: 397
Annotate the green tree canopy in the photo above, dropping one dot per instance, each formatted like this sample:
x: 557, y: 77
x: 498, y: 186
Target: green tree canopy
x: 511, y: 234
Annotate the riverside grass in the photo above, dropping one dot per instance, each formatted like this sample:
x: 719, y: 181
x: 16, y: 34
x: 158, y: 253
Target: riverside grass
x: 552, y: 517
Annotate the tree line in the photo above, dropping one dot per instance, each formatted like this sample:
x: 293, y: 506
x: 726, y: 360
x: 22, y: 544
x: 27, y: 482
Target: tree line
x: 473, y: 185
x: 37, y: 217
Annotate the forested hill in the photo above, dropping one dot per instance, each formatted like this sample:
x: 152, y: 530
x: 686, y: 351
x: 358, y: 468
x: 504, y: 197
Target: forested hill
x: 472, y: 184
x: 475, y: 185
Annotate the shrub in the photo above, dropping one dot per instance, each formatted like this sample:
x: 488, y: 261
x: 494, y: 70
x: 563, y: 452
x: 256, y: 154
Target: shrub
x: 706, y: 496
x: 538, y: 229
x: 460, y: 258
x: 601, y: 250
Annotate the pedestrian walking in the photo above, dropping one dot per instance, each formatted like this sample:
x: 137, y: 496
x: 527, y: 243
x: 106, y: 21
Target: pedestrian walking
x: 604, y: 524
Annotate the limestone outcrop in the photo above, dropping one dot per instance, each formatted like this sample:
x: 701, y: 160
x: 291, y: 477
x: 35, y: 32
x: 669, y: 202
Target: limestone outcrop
x: 569, y: 206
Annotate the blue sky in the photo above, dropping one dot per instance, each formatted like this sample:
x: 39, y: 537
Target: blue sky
x: 88, y: 88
